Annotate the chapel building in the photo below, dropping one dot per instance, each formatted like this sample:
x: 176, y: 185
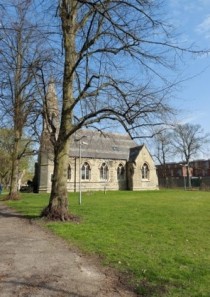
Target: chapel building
x: 97, y: 160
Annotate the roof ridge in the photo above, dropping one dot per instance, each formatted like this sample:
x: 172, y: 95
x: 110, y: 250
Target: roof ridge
x: 105, y: 133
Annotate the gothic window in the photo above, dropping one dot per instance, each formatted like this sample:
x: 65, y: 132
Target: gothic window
x: 69, y: 172
x: 120, y: 172
x: 86, y: 171
x: 145, y: 171
x: 104, y: 172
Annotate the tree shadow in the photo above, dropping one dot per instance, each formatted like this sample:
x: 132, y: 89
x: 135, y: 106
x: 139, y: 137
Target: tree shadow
x: 42, y: 285
x: 6, y: 212
x: 147, y: 289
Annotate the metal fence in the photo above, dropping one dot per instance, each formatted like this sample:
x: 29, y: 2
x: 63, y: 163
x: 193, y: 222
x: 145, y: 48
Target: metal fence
x: 197, y: 183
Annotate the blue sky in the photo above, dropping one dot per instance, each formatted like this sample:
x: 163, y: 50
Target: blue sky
x: 192, y: 20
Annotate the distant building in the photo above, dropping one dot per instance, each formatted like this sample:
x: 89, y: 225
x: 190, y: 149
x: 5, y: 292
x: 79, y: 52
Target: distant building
x: 197, y: 168
x: 97, y: 161
x: 174, y: 174
x: 201, y: 168
x: 173, y: 169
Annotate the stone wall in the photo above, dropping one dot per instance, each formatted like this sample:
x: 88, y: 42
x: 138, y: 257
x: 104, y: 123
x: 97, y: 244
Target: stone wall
x: 130, y: 180
x: 136, y: 182
x: 95, y: 183
x: 46, y: 172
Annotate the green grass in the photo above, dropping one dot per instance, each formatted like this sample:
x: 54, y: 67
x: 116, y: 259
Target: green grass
x: 160, y: 240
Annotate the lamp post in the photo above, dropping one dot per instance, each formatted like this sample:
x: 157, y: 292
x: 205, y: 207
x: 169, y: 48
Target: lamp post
x: 80, y: 145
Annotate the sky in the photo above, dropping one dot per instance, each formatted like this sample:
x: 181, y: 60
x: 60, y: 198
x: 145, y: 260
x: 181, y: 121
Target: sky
x: 192, y: 19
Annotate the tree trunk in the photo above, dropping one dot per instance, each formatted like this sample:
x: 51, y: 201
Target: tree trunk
x: 188, y: 175
x: 58, y: 204
x: 18, y: 123
x: 13, y: 190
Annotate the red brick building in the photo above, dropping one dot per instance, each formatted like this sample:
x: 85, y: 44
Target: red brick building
x: 174, y: 174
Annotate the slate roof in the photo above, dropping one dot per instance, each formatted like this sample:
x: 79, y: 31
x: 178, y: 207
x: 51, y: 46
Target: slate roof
x: 99, y: 145
x: 134, y: 152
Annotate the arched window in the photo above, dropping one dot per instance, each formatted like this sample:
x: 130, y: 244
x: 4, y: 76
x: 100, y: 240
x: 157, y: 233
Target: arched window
x: 104, y: 172
x: 145, y: 171
x: 69, y: 172
x: 86, y: 171
x: 120, y: 172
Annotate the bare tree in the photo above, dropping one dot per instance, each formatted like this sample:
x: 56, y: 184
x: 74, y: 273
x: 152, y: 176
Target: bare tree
x: 6, y: 149
x: 22, y: 55
x: 115, y: 53
x: 5, y: 156
x: 187, y: 141
x: 163, y: 150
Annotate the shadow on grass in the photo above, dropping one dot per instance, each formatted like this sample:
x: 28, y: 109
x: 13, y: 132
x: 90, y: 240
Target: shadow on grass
x: 147, y: 289
x: 7, y: 212
x: 144, y: 287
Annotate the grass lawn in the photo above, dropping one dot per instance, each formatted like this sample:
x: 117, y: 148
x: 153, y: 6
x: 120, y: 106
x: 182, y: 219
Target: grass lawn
x: 160, y: 240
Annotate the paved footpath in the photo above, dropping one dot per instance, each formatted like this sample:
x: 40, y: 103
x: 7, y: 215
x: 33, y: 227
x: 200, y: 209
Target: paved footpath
x: 34, y: 262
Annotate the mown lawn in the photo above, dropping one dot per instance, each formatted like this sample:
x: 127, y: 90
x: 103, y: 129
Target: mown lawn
x: 160, y: 240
